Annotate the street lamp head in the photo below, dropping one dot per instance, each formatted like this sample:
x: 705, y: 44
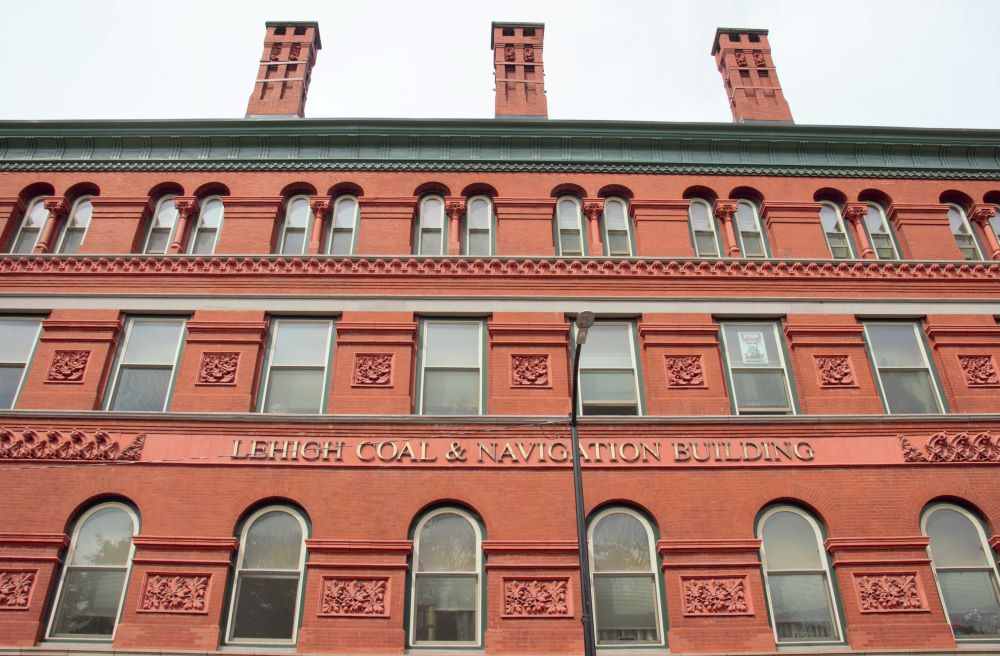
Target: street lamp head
x: 584, y: 321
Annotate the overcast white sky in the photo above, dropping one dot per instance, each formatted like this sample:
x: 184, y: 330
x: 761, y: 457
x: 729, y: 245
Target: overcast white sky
x: 869, y: 62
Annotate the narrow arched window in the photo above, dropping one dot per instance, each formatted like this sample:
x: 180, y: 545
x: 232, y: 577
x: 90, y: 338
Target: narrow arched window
x: 431, y: 227
x: 206, y: 231
x: 31, y: 226
x: 295, y: 228
x: 837, y: 238
x: 76, y: 227
x: 879, y: 233
x: 623, y: 575
x: 445, y: 593
x: 343, y: 226
x: 965, y: 571
x: 753, y: 244
x: 569, y: 227
x: 161, y: 227
x: 995, y: 222
x: 479, y: 226
x: 92, y: 586
x: 265, y: 602
x: 797, y: 577
x: 962, y: 231
x: 617, y: 229
x: 703, y: 233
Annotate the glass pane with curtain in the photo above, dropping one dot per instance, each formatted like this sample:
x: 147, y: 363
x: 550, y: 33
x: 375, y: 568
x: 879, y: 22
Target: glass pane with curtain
x: 36, y: 216
x: 789, y: 542
x: 89, y: 603
x: 620, y: 544
x: 17, y: 339
x: 152, y: 342
x: 10, y: 382
x: 763, y: 389
x: 908, y: 391
x: 895, y: 345
x: 607, y: 386
x: 955, y: 542
x: 828, y: 217
x: 801, y: 608
x: 874, y: 222
x: 142, y: 389
x: 274, y: 541
x: 295, y: 391
x: 701, y: 218
x: 452, y: 344
x: 345, y: 212
x: 971, y: 600
x: 608, y: 346
x: 105, y: 539
x: 265, y: 607
x: 31, y: 227
x: 625, y: 609
x: 300, y: 343
x: 445, y: 609
x: 751, y: 345
x: 451, y: 392
x: 447, y: 544
x: 746, y: 218
x: 343, y: 242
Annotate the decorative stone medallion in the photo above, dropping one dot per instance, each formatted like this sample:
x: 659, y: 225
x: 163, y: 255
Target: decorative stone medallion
x: 835, y: 371
x: 890, y: 593
x: 979, y: 370
x: 685, y: 371
x: 372, y: 370
x: 355, y: 597
x: 529, y: 370
x: 15, y: 588
x: 218, y: 368
x: 715, y: 596
x: 175, y: 593
x: 536, y: 597
x: 68, y: 367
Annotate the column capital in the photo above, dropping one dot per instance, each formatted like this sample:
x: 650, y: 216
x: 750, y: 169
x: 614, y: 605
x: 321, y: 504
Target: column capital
x: 981, y: 213
x: 855, y: 212
x: 185, y: 205
x: 593, y: 207
x: 725, y: 208
x: 319, y: 205
x: 56, y: 205
x: 454, y: 207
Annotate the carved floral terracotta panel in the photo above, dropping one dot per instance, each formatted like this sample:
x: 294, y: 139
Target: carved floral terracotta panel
x: 68, y: 367
x: 529, y: 370
x: 685, y: 371
x: 16, y: 586
x: 536, y: 597
x: 960, y: 447
x: 979, y: 370
x: 715, y: 596
x: 66, y: 445
x: 890, y: 593
x: 835, y: 371
x: 359, y: 596
x: 372, y: 370
x: 218, y: 368
x: 175, y: 593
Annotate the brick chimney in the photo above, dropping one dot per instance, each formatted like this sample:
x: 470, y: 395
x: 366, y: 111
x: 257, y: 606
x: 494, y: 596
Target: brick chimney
x: 519, y: 70
x: 744, y: 59
x: 285, y: 67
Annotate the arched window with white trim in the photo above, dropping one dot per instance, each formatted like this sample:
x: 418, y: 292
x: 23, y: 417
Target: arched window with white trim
x: 704, y: 235
x: 837, y: 238
x: 962, y: 230
x: 75, y: 228
x: 161, y: 227
x: 30, y: 230
x: 750, y: 233
x: 569, y: 227
x: 965, y: 571
x: 206, y: 231
x: 343, y: 226
x: 995, y: 223
x: 617, y: 228
x: 446, y: 584
x: 92, y: 585
x: 624, y: 579
x: 797, y: 577
x: 295, y: 228
x: 432, y: 228
x: 478, y: 237
x: 879, y: 233
x: 264, y: 608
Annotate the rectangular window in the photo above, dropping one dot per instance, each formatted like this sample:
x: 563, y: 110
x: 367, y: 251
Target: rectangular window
x: 17, y: 342
x: 298, y: 358
x: 758, y: 376
x: 144, y: 370
x: 904, y: 376
x: 451, y: 381
x: 608, y: 381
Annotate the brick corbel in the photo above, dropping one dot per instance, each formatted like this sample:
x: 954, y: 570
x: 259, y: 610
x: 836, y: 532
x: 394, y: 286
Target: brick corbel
x: 980, y: 216
x: 978, y: 335
x: 725, y: 212
x: 854, y: 214
x: 183, y: 551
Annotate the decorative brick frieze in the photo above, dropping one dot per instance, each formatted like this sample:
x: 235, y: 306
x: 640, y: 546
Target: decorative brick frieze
x: 66, y: 445
x: 536, y: 597
x: 68, y: 367
x: 175, y: 593
x: 529, y: 370
x: 355, y: 597
x: 715, y: 596
x: 890, y: 593
x: 16, y: 586
x: 979, y: 370
x: 685, y: 371
x: 960, y: 447
x: 218, y: 368
x: 372, y: 370
x: 835, y: 371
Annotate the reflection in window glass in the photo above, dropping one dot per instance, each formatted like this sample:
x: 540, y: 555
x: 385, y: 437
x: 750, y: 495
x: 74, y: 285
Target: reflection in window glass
x: 749, y: 231
x: 451, y: 373
x: 706, y: 241
x: 206, y: 231
x: 757, y: 372
x: 962, y: 231
x: 431, y: 227
x: 146, y: 365
x: 345, y: 221
x: 295, y: 381
x: 607, y: 371
x: 617, y: 229
x: 478, y: 226
x: 31, y: 226
x: 878, y: 233
x: 904, y: 373
x: 569, y: 227
x: 76, y: 227
x: 836, y: 234
x: 17, y: 342
x: 295, y: 231
x: 161, y: 228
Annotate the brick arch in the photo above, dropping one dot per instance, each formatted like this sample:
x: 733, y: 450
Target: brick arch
x: 345, y: 189
x: 959, y: 198
x: 36, y: 189
x: 699, y: 191
x: 631, y: 504
x: 992, y: 196
x: 211, y: 189
x: 447, y: 502
x: 164, y: 188
x: 568, y: 189
x: 432, y: 188
x: 830, y: 194
x: 747, y: 193
x: 81, y: 189
x: 615, y: 190
x: 241, y: 520
x: 298, y: 189
x: 795, y: 502
x: 480, y: 189
x: 876, y: 196
x: 96, y: 500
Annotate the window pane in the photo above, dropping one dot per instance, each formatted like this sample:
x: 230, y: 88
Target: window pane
x: 800, y: 604
x: 451, y: 392
x: 957, y: 222
x: 343, y: 242
x: 620, y: 544
x: 873, y: 221
x: 445, y: 609
x: 345, y: 212
x: 971, y: 600
x: 753, y: 246
x: 447, y: 544
x: 909, y: 392
x: 625, y: 609
x: 17, y: 338
x: 81, y: 214
x: 295, y: 391
x: 789, y: 542
x: 430, y: 242
x: 569, y: 242
x: 158, y: 242
x: 204, y: 242
x: 828, y: 217
x: 36, y: 216
x: 596, y: 386
x: 479, y: 214
x: 608, y: 345
x: 955, y: 542
x: 432, y: 213
x: 265, y: 607
x: 211, y: 213
x: 89, y: 603
x: 71, y: 241
x: 295, y: 242
x: 299, y: 214
x: 300, y: 343
x: 895, y: 345
x: 10, y: 381
x: 746, y: 218
x: 273, y: 542
x: 141, y: 389
x: 763, y: 390
x: 105, y: 539
x: 479, y: 243
x: 569, y: 218
x: 614, y: 216
x: 700, y: 217
x: 152, y: 342
x: 166, y: 214
x: 452, y: 345
x: 618, y: 244
x: 705, y: 242
x: 26, y: 240
x: 751, y: 346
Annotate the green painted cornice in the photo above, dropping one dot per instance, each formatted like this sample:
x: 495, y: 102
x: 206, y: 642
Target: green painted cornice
x: 498, y: 145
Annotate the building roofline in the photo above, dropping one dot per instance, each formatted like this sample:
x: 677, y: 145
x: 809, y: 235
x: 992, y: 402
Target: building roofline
x: 726, y: 30
x: 313, y: 24
x: 496, y: 24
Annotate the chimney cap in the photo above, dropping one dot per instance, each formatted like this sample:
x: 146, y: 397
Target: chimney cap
x: 719, y: 31
x: 312, y: 24
x: 497, y: 24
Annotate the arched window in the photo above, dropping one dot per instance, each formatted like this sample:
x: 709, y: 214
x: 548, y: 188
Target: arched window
x: 753, y: 244
x: 92, y: 586
x: 617, y: 228
x: 295, y: 228
x: 879, y: 233
x: 431, y: 227
x: 479, y: 226
x: 963, y: 233
x: 797, y: 577
x: 623, y: 578
x: 265, y: 602
x: 703, y: 233
x: 569, y: 227
x: 206, y: 231
x: 995, y: 222
x: 31, y: 226
x: 76, y: 227
x: 965, y: 571
x: 837, y: 238
x: 343, y: 226
x: 445, y: 592
x: 161, y: 228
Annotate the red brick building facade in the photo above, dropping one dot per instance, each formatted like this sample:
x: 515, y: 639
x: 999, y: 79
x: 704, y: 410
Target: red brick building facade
x: 301, y: 385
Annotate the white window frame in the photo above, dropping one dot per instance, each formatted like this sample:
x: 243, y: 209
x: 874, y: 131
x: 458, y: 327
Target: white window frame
x: 265, y: 378
x: 580, y: 227
x: 711, y: 224
x: 120, y: 359
x: 284, y: 226
x: 412, y: 629
x: 991, y: 566
x: 779, y: 341
x: 328, y: 247
x: 630, y: 330
x: 766, y: 571
x: 653, y: 571
x: 969, y: 231
x: 852, y: 253
x: 67, y: 565
x: 888, y: 231
x: 423, y: 361
x: 247, y: 525
x: 931, y: 373
x: 37, y: 200
x: 420, y: 227
x: 467, y: 228
x: 759, y: 231
x: 31, y: 355
x: 628, y: 227
x: 994, y: 222
x: 152, y: 222
x: 193, y: 237
x: 65, y: 228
